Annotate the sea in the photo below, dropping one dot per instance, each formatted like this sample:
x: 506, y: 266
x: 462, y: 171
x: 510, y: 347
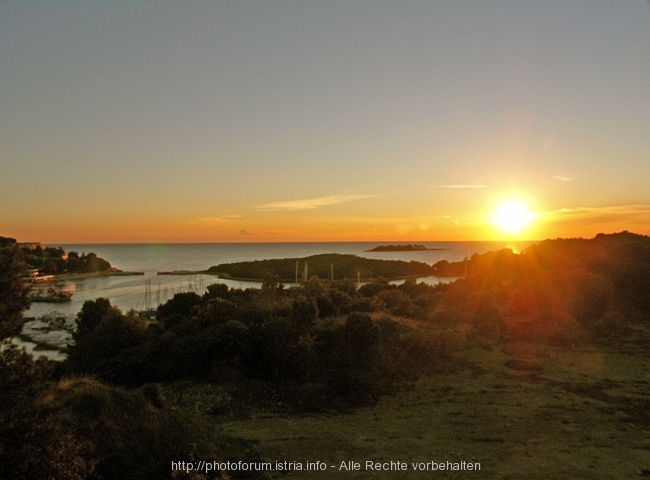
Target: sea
x: 48, y: 326
x: 147, y: 291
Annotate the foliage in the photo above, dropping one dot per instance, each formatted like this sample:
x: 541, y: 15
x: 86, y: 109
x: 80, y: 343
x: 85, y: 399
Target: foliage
x: 13, y: 293
x: 319, y: 346
x: 321, y: 266
x: 85, y: 263
x: 558, y: 291
x: 104, y: 341
x: 79, y: 428
x: 89, y: 316
x: 327, y: 344
x: 51, y: 261
x: 182, y: 304
x: 316, y: 341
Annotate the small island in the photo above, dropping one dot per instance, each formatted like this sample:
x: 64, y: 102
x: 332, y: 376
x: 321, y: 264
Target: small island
x: 402, y: 248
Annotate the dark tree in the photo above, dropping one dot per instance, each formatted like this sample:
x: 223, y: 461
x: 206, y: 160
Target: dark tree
x: 73, y: 263
x: 217, y: 290
x: 92, y: 263
x: 90, y: 315
x: 183, y: 304
x: 13, y: 292
x: 304, y: 311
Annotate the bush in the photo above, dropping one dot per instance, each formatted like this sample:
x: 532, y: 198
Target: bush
x: 182, y: 304
x: 371, y: 289
x: 105, y: 350
x: 304, y: 312
x: 74, y: 429
x: 397, y: 302
x: 89, y: 316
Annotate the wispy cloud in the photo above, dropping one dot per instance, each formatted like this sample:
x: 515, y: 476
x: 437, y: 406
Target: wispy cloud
x: 632, y: 214
x: 570, y: 177
x: 455, y: 185
x: 611, y: 210
x: 311, y: 203
x: 563, y: 178
x: 216, y: 220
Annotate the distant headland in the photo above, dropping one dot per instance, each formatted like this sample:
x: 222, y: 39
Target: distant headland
x: 46, y: 264
x: 402, y: 248
x: 324, y: 266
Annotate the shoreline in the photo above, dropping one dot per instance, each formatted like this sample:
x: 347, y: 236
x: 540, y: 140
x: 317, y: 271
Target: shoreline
x: 292, y: 280
x: 84, y: 275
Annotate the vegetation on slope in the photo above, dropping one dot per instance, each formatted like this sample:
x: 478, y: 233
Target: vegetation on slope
x: 320, y: 346
x: 337, y: 344
x: 51, y: 261
x: 13, y: 293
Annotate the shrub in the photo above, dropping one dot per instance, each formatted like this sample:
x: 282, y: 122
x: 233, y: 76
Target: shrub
x: 397, y: 302
x: 89, y: 316
x: 106, y: 348
x: 182, y: 304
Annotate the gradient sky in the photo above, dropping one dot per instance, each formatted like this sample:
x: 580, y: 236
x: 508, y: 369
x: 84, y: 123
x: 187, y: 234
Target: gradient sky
x: 258, y: 121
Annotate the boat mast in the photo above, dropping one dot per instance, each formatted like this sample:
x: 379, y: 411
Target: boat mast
x: 147, y: 286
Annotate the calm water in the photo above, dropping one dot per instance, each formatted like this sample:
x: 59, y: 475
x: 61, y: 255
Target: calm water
x: 131, y: 291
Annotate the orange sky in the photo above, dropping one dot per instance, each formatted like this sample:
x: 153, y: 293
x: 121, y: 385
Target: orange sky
x: 569, y: 223
x: 258, y: 122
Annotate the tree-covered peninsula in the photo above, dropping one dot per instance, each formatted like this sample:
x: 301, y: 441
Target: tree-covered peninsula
x: 325, y: 266
x: 53, y: 261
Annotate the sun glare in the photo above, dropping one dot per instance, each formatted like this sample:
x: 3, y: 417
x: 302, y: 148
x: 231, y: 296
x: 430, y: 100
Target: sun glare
x: 512, y: 217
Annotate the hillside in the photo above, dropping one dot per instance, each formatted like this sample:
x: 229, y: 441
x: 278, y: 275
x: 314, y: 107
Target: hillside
x: 343, y: 266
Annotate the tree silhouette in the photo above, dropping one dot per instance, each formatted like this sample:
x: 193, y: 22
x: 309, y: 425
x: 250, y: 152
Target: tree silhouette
x: 13, y: 293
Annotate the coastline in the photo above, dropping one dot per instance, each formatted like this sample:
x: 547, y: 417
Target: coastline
x: 84, y: 275
x: 290, y: 280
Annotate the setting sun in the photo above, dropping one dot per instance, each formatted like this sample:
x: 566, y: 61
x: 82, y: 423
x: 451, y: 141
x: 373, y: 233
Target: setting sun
x: 512, y: 216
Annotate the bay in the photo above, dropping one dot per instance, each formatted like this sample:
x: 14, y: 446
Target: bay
x: 147, y: 291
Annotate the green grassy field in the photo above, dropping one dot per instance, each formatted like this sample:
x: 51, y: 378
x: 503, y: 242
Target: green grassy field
x: 525, y: 411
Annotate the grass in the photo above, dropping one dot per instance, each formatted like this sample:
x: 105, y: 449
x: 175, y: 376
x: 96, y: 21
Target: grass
x: 526, y: 412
